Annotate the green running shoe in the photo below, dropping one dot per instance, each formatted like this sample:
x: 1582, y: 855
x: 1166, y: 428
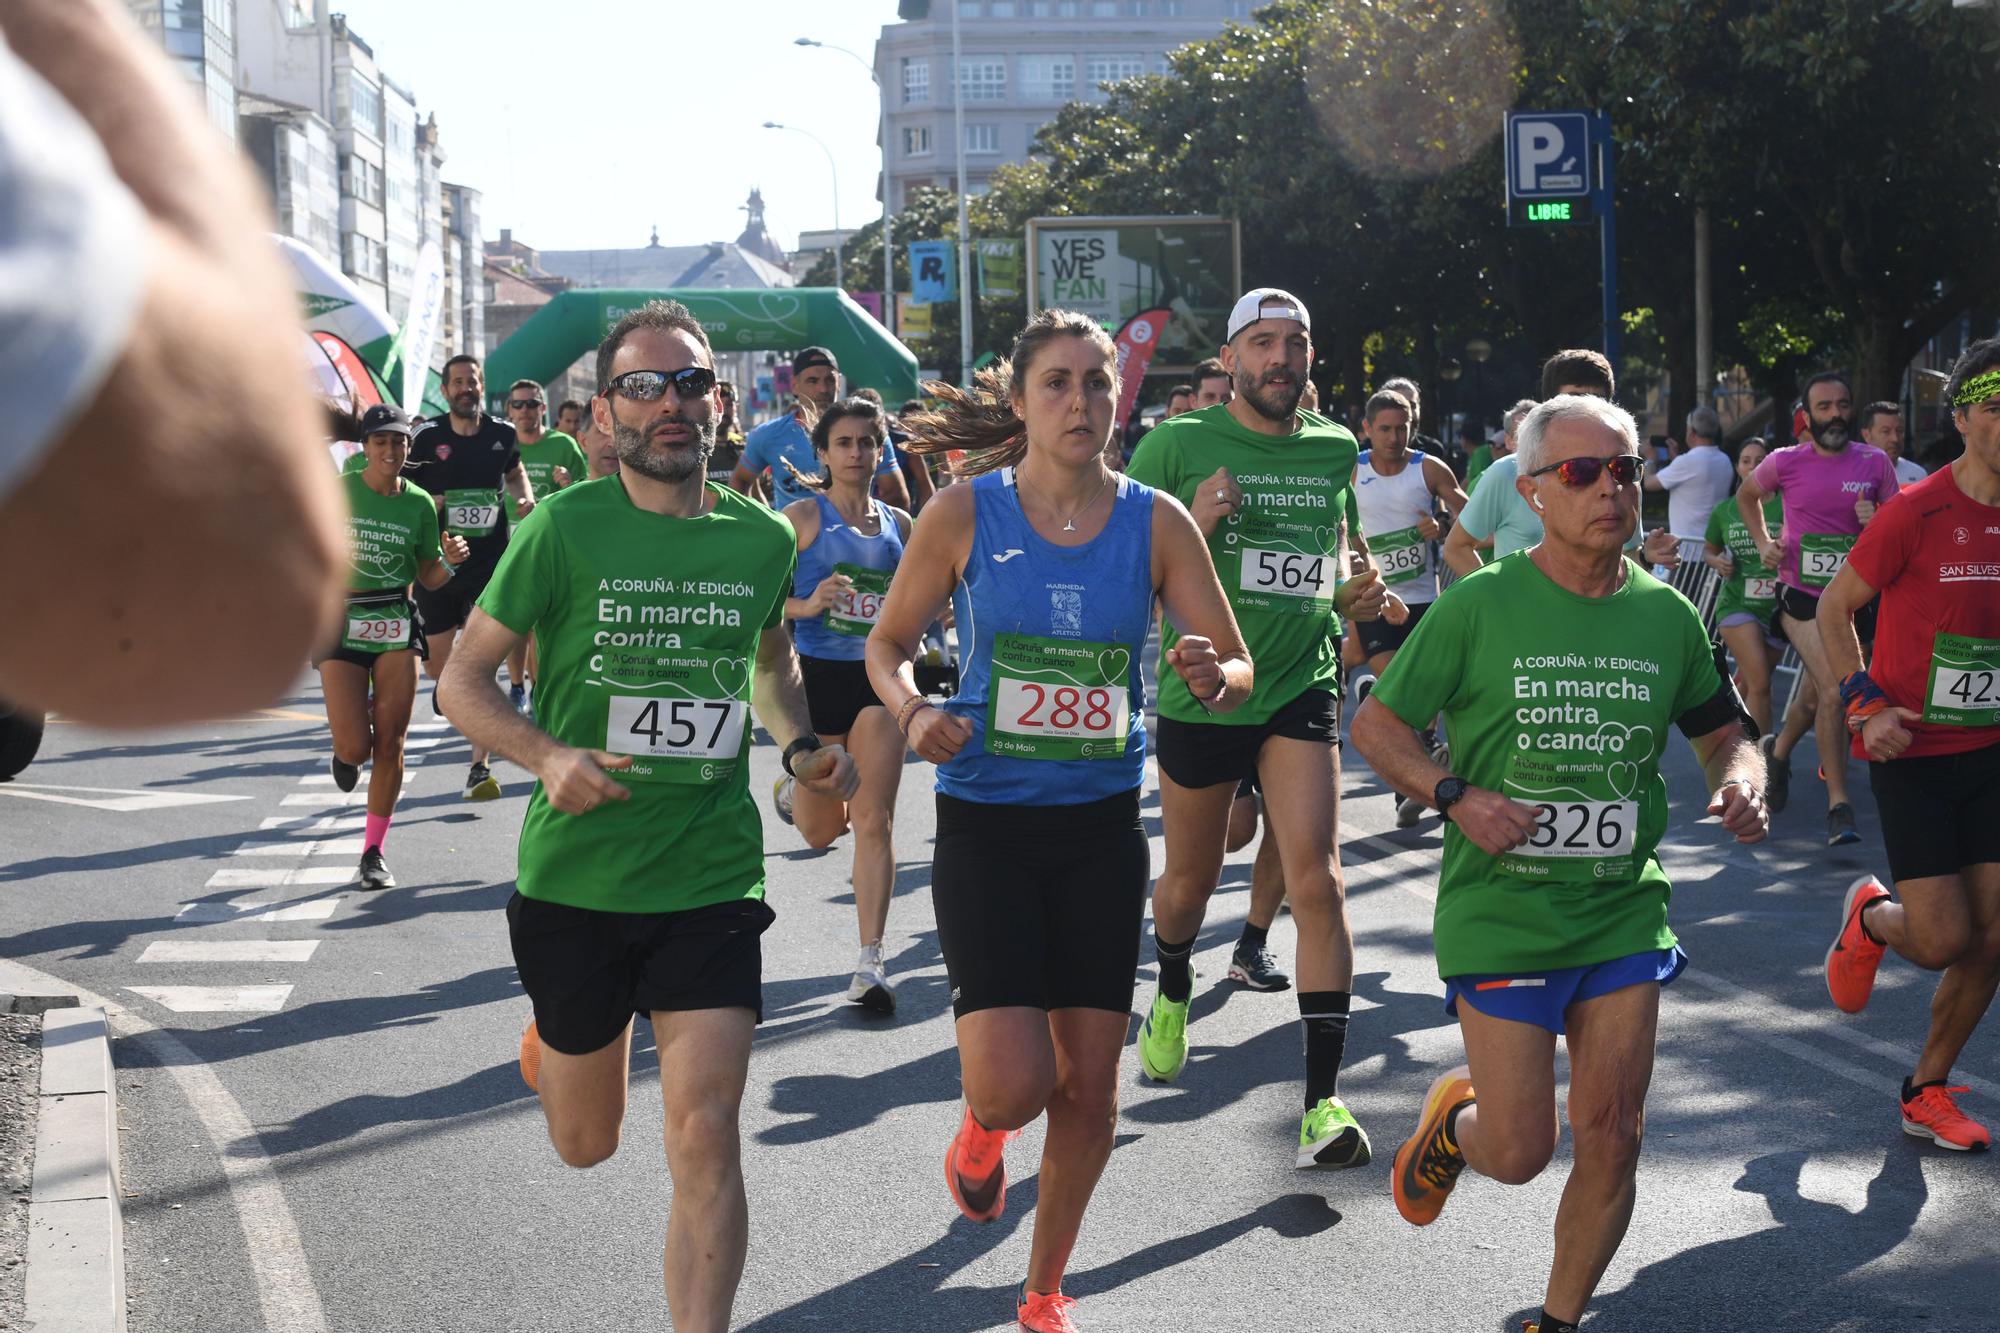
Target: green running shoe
x: 1163, y: 1043
x: 1330, y: 1137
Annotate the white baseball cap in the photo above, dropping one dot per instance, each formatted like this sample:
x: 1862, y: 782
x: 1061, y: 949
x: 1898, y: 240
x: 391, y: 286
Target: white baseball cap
x: 1266, y: 303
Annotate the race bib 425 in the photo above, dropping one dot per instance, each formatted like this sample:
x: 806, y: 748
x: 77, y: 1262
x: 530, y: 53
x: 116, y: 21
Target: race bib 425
x: 1964, y: 687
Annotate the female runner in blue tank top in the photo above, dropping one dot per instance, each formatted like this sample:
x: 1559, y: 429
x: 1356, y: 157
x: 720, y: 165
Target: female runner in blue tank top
x: 849, y: 546
x: 1039, y: 879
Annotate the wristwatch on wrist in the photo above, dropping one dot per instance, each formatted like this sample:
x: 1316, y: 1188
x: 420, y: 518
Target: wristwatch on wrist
x: 805, y: 744
x: 1449, y: 792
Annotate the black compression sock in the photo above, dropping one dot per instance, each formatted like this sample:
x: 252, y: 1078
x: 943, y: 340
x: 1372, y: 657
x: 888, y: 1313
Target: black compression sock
x: 1254, y: 937
x: 1548, y: 1323
x: 1323, y: 1016
x: 1176, y: 969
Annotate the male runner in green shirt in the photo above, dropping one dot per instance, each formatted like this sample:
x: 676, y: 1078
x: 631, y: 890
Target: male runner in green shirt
x: 1559, y: 672
x: 1268, y: 485
x: 641, y: 879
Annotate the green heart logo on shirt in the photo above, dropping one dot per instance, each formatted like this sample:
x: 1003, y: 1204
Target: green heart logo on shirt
x: 732, y: 675
x: 1112, y: 662
x: 1328, y: 539
x: 1623, y: 777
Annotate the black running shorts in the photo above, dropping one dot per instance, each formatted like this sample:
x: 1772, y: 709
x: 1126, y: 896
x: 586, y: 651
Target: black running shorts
x: 1940, y: 812
x: 1801, y: 605
x: 836, y: 692
x: 448, y: 608
x: 1379, y: 636
x: 588, y: 972
x: 1040, y: 905
x: 1206, y: 754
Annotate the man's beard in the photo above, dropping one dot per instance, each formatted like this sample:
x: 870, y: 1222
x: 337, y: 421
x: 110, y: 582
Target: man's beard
x: 1835, y: 433
x: 463, y: 410
x: 1273, y: 404
x: 675, y: 465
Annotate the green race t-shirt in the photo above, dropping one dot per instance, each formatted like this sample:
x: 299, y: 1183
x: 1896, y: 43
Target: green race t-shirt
x: 1277, y: 557
x: 355, y: 463
x: 387, y: 535
x: 554, y: 450
x: 1563, y: 702
x: 1751, y: 586
x: 647, y: 630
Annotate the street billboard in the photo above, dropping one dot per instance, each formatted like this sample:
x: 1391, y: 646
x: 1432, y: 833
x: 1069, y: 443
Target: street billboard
x: 1112, y: 268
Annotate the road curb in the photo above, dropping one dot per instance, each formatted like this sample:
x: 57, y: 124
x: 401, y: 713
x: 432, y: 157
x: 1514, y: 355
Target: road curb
x: 76, y: 1227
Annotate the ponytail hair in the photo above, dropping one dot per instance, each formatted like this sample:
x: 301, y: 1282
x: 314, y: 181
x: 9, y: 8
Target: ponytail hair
x: 980, y: 419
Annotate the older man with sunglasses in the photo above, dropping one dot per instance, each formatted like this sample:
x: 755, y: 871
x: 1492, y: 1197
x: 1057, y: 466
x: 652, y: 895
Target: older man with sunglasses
x: 1558, y: 673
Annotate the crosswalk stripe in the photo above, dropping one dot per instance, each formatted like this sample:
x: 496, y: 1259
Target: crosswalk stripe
x: 324, y: 799
x: 274, y: 878
x: 302, y: 847
x: 313, y: 909
x: 216, y: 999
x: 229, y: 951
x: 314, y: 823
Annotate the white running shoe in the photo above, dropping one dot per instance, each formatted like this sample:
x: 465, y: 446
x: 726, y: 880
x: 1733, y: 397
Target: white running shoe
x: 869, y: 986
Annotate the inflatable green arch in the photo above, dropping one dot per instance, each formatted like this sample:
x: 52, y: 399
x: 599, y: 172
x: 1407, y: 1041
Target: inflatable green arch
x: 777, y: 319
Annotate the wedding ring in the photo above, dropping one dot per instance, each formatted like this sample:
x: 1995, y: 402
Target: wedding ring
x: 1222, y: 495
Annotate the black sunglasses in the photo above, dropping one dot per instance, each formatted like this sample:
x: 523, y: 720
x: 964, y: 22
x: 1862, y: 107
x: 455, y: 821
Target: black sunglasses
x: 646, y: 386
x: 1625, y: 469
x: 523, y: 404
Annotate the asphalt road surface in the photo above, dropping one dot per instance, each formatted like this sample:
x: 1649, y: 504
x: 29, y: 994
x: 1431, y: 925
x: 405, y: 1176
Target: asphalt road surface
x: 325, y: 1127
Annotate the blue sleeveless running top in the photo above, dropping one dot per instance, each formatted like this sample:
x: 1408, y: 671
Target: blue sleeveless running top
x: 842, y: 633
x: 1050, y: 639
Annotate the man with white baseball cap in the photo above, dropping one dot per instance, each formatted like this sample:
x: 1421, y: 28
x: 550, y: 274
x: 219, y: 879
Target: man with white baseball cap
x: 1270, y: 486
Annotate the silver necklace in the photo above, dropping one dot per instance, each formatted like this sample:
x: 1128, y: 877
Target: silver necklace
x: 1070, y: 525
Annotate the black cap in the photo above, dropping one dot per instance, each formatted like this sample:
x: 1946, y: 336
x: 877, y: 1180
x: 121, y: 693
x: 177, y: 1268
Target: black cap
x: 386, y: 416
x: 814, y: 356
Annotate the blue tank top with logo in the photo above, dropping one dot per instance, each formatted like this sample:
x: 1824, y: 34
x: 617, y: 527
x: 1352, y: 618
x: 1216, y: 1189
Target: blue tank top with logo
x: 1050, y: 639
x: 842, y: 633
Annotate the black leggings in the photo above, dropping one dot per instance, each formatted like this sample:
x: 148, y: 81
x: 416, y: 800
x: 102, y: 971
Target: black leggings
x: 1040, y: 905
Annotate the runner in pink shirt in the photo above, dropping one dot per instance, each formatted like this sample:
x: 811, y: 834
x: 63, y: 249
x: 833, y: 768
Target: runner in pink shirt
x: 1831, y: 483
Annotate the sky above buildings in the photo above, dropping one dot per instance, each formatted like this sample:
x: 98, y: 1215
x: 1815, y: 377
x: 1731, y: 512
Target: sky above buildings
x: 585, y: 123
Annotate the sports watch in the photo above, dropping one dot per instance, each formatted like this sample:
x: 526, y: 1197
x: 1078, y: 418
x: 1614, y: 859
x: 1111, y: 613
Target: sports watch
x: 1449, y: 792
x: 805, y: 744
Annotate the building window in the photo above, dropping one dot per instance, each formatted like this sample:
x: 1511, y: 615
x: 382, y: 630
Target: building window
x: 1000, y: 9
x: 1048, y: 78
x: 916, y: 81
x: 982, y: 138
x: 1068, y: 9
x: 916, y: 141
x: 362, y: 180
x: 984, y: 79
x: 366, y: 258
x: 1104, y: 9
x: 365, y: 104
x: 968, y: 9
x: 1111, y: 68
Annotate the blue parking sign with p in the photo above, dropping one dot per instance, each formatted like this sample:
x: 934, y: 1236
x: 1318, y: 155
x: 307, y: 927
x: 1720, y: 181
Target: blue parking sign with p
x: 1549, y: 169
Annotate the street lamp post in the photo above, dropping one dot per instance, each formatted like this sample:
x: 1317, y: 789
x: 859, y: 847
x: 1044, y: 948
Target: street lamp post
x: 881, y: 133
x: 839, y: 268
x: 964, y: 240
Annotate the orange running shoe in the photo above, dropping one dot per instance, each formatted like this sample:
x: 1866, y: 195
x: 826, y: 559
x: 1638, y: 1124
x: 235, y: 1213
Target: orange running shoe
x: 975, y: 1169
x: 1851, y: 962
x: 1930, y: 1113
x: 1428, y: 1163
x: 1038, y: 1312
x: 531, y: 1056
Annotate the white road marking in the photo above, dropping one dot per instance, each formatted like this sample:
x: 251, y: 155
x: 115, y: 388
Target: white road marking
x: 277, y: 1255
x: 216, y: 999
x: 115, y: 799
x: 313, y: 909
x: 314, y: 823
x: 229, y: 951
x: 275, y: 878
x: 320, y: 800
x: 302, y: 847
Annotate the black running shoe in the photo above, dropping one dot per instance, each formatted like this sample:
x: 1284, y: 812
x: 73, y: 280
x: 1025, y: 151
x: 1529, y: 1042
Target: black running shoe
x: 375, y: 871
x: 1777, y: 776
x: 344, y: 775
x: 1840, y: 830
x: 1257, y: 969
x: 480, y: 784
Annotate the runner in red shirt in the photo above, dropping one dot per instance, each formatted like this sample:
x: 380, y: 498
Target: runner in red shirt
x: 1927, y: 718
